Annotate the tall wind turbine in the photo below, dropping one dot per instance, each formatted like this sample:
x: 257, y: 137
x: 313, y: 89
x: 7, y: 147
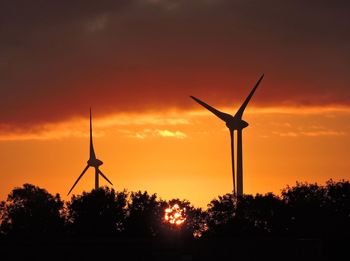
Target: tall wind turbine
x: 92, y: 162
x: 234, y: 123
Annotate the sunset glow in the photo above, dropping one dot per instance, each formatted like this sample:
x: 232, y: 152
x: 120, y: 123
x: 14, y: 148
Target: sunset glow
x: 186, y: 150
x: 175, y: 215
x: 136, y: 64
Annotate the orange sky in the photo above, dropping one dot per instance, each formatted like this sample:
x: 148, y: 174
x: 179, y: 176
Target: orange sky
x: 136, y: 62
x: 183, y: 154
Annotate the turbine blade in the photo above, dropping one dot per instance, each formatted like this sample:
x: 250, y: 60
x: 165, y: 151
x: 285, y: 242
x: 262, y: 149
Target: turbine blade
x: 223, y: 116
x: 81, y: 175
x: 240, y: 112
x: 105, y: 177
x: 92, y: 151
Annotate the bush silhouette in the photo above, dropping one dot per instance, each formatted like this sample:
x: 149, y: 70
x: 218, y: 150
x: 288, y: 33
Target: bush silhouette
x: 302, y: 211
x: 246, y: 215
x: 338, y: 205
x: 99, y: 212
x: 318, y: 211
x: 262, y: 214
x: 144, y: 215
x: 31, y: 211
x: 221, y: 216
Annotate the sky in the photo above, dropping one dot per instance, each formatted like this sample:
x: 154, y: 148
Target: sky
x: 136, y: 62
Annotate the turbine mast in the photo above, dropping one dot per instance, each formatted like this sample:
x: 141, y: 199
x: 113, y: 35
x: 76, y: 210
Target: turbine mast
x: 233, y: 161
x: 239, y: 163
x: 96, y: 178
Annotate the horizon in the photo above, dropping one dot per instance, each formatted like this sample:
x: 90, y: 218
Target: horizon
x: 166, y: 133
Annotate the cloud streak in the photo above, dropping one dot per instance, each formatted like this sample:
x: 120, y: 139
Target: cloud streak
x: 78, y: 127
x: 321, y: 133
x: 171, y: 134
x: 171, y: 124
x: 153, y: 133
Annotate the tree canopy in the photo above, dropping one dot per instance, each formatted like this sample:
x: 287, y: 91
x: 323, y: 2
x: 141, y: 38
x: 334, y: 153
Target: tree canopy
x: 31, y: 211
x: 302, y: 211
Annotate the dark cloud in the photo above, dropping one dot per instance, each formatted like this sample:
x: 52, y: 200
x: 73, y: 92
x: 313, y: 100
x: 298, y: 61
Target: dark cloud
x: 59, y: 57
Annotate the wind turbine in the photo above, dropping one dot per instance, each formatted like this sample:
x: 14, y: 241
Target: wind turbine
x: 234, y: 123
x: 92, y: 162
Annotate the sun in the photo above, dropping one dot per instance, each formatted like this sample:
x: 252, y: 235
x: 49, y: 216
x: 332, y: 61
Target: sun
x: 175, y: 215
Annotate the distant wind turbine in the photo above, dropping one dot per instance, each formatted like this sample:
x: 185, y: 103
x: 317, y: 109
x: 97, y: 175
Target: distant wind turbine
x: 234, y: 123
x: 92, y: 162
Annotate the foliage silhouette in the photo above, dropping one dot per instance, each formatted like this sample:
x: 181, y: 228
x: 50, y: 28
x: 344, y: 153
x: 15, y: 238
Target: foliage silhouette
x: 220, y: 215
x: 144, y: 215
x: 100, y: 212
x: 242, y: 216
x: 31, y: 211
x: 318, y: 211
x: 263, y: 214
x: 338, y: 206
x: 302, y: 211
x: 307, y: 220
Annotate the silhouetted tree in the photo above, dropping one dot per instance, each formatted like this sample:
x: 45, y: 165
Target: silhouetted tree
x: 338, y: 206
x: 221, y: 210
x: 144, y: 215
x: 2, y: 209
x: 99, y: 212
x: 220, y: 216
x: 303, y: 210
x: 246, y: 215
x: 195, y: 221
x: 318, y: 211
x: 263, y: 214
x: 31, y: 211
x: 307, y: 204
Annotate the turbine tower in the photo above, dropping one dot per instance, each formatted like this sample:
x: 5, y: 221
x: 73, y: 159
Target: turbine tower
x: 234, y: 123
x: 92, y: 162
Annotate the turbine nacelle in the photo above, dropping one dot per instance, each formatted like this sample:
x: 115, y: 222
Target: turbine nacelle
x: 94, y: 162
x: 236, y: 124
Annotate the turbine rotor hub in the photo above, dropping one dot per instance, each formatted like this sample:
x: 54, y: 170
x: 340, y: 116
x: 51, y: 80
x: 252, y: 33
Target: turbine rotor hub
x: 237, y: 124
x: 94, y: 162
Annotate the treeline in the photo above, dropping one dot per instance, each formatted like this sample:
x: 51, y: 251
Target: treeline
x: 301, y: 211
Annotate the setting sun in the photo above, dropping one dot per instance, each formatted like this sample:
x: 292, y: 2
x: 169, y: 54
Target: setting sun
x: 175, y: 215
